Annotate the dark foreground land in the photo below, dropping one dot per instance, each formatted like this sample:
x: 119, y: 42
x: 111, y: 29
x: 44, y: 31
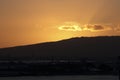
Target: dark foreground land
x: 53, y: 67
x: 73, y: 48
x: 66, y: 57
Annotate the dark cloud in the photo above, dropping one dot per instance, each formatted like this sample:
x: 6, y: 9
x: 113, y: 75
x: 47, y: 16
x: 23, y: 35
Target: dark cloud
x: 96, y: 27
x: 117, y: 28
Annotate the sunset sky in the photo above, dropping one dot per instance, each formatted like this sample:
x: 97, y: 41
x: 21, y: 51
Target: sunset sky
x: 25, y: 22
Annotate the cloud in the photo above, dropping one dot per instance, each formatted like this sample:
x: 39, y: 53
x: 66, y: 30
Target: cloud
x: 117, y: 28
x: 70, y: 26
x: 96, y: 27
x: 73, y: 26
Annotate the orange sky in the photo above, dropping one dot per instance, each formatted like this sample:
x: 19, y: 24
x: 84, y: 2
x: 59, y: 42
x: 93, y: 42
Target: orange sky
x: 25, y: 22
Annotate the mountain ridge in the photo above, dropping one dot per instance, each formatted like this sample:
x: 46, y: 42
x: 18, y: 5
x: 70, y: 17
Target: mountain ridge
x: 104, y: 46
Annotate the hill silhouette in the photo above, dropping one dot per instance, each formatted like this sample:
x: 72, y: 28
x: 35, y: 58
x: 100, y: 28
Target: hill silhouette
x: 73, y: 48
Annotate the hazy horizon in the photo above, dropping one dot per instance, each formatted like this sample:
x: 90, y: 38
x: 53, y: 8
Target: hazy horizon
x: 55, y: 41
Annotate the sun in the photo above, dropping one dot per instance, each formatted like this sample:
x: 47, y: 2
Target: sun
x: 70, y: 26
